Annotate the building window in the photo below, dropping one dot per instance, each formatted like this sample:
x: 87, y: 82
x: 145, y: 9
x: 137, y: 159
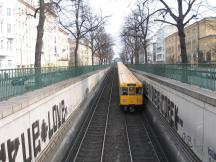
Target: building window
x: 9, y: 63
x: 9, y: 44
x: 2, y: 44
x: 0, y: 10
x: 1, y: 26
x: 208, y: 56
x: 9, y: 28
x: 8, y: 11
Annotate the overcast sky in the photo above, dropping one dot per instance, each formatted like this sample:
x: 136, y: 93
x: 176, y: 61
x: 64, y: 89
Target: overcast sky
x: 118, y: 10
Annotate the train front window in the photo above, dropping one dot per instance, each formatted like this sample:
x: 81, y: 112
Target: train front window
x: 139, y: 90
x: 124, y: 91
x: 132, y: 91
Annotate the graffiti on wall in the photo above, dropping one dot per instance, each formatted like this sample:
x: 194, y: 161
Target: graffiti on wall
x: 191, y: 119
x: 166, y: 107
x: 30, y: 142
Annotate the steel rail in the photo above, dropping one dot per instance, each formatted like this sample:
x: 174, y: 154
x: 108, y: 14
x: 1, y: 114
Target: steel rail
x: 86, y: 130
x: 147, y: 133
x: 93, y: 105
x: 160, y: 147
x: 107, y: 118
x: 128, y: 140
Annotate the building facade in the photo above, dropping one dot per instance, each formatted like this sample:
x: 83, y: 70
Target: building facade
x: 84, y: 54
x: 161, y: 34
x: 18, y: 32
x: 62, y: 51
x: 25, y: 34
x: 200, y: 43
x: 7, y: 33
x: 151, y: 50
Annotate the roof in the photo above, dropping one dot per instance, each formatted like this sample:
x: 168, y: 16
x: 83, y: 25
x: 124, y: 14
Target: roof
x: 126, y: 76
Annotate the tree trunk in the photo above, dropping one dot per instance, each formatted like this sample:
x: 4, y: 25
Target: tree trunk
x: 131, y: 59
x: 92, y: 49
x: 100, y: 59
x: 136, y: 53
x: 77, y: 32
x: 76, y: 52
x: 92, y: 56
x: 145, y: 52
x: 181, y: 34
x: 92, y: 59
x: 40, y: 33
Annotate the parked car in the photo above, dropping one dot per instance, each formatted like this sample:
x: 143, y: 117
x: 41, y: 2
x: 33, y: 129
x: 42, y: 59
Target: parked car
x: 19, y: 81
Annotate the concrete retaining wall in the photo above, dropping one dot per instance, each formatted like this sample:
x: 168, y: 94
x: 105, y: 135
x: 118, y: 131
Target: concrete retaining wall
x: 191, y: 115
x: 29, y: 122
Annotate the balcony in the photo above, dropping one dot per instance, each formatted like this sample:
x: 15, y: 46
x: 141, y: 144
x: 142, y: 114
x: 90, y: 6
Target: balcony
x: 6, y: 53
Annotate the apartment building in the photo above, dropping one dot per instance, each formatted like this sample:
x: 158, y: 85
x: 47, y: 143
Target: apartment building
x: 25, y: 33
x: 49, y: 57
x: 7, y: 33
x: 156, y: 45
x: 200, y: 43
x: 161, y: 34
x: 151, y: 49
x: 62, y: 51
x: 18, y: 32
x: 84, y: 55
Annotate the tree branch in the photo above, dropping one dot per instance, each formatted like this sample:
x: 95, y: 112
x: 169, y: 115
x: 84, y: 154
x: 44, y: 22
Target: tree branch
x: 169, y: 10
x: 190, y: 4
x: 164, y: 21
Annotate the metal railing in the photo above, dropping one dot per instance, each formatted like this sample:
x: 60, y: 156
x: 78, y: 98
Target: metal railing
x: 202, y: 75
x: 14, y: 82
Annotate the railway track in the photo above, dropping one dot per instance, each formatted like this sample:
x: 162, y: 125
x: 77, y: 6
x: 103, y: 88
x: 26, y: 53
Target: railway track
x: 116, y: 146
x: 90, y: 147
x: 110, y: 135
x: 142, y: 143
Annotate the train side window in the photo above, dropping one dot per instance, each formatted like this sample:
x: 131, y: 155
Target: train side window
x: 124, y: 91
x: 139, y: 90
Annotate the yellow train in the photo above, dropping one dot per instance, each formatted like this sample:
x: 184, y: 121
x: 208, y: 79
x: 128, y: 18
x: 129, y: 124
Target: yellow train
x: 130, y: 89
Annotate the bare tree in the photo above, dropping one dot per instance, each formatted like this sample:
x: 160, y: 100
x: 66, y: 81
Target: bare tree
x: 131, y: 34
x: 75, y: 20
x: 40, y: 33
x: 143, y: 19
x: 126, y: 50
x: 137, y: 27
x: 125, y: 54
x: 181, y: 17
x: 43, y: 8
x: 92, y: 35
x: 105, y: 52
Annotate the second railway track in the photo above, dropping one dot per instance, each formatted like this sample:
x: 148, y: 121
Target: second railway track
x: 91, y: 146
x: 143, y: 145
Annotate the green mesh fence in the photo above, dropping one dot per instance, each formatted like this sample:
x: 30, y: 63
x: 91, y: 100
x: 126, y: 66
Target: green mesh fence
x: 14, y: 82
x: 202, y: 75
